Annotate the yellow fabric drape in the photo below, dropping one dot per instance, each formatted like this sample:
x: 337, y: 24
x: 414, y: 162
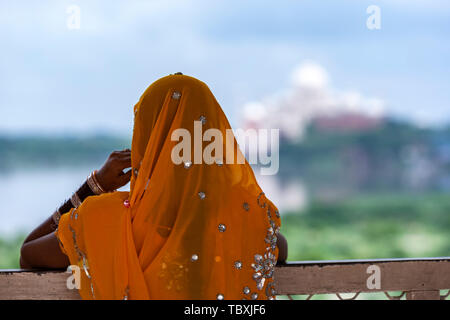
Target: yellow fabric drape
x: 194, y: 231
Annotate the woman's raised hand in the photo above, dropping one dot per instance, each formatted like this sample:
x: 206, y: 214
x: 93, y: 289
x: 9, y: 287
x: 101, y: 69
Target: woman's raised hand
x: 111, y: 175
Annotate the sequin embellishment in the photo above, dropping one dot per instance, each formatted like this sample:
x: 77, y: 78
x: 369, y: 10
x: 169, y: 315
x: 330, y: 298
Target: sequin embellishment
x: 222, y: 227
x: 264, y: 264
x: 176, y: 95
x: 187, y: 164
x: 174, y: 269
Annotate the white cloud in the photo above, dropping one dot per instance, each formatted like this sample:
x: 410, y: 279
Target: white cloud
x: 241, y: 49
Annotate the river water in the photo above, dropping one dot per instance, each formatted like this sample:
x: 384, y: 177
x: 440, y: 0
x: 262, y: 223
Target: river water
x: 29, y: 197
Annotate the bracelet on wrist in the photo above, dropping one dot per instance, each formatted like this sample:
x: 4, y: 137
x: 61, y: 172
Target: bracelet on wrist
x: 75, y: 200
x: 94, y: 185
x: 56, y: 216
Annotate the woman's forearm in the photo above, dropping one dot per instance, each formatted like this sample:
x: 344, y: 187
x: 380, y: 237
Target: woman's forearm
x: 43, y: 229
x: 41, y: 248
x: 49, y: 225
x: 43, y: 252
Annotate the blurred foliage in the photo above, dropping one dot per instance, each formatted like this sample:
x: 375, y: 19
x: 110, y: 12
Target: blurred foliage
x: 10, y: 251
x: 362, y: 203
x: 385, y: 158
x: 370, y: 227
x: 364, y: 227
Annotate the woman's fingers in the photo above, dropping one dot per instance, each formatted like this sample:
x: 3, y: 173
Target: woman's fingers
x: 125, y: 178
x: 121, y: 159
x: 123, y: 163
x: 121, y: 154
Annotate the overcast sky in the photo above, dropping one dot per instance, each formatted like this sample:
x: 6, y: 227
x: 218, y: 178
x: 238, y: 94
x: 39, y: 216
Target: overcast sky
x: 57, y: 80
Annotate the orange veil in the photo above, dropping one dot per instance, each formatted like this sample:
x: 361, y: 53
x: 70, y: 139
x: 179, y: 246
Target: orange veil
x: 184, y: 231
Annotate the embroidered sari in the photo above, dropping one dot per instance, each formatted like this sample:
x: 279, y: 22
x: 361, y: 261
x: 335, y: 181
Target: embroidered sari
x: 184, y: 231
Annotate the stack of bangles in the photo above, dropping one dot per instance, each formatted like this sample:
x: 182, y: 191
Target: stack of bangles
x: 94, y: 185
x: 75, y: 200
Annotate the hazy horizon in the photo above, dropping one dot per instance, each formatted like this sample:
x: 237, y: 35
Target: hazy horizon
x: 57, y: 80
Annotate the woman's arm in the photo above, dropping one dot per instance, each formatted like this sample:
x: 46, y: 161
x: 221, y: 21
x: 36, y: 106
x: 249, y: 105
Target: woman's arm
x: 43, y: 251
x: 282, y: 248
x: 41, y: 248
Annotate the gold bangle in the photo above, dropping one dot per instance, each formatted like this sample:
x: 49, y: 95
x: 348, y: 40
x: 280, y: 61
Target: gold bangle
x: 94, y: 177
x: 56, y: 216
x: 96, y: 189
x: 75, y: 200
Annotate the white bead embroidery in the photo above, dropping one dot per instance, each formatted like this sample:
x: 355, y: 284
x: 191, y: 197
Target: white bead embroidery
x: 187, y: 164
x: 176, y: 95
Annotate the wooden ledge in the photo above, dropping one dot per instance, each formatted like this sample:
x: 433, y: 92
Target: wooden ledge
x: 415, y: 276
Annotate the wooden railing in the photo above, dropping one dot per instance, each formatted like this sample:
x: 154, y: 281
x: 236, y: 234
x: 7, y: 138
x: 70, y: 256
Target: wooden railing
x: 425, y: 278
x: 422, y: 278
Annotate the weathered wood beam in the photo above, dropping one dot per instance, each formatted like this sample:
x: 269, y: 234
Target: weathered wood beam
x: 316, y: 277
x: 420, y: 278
x: 35, y: 285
